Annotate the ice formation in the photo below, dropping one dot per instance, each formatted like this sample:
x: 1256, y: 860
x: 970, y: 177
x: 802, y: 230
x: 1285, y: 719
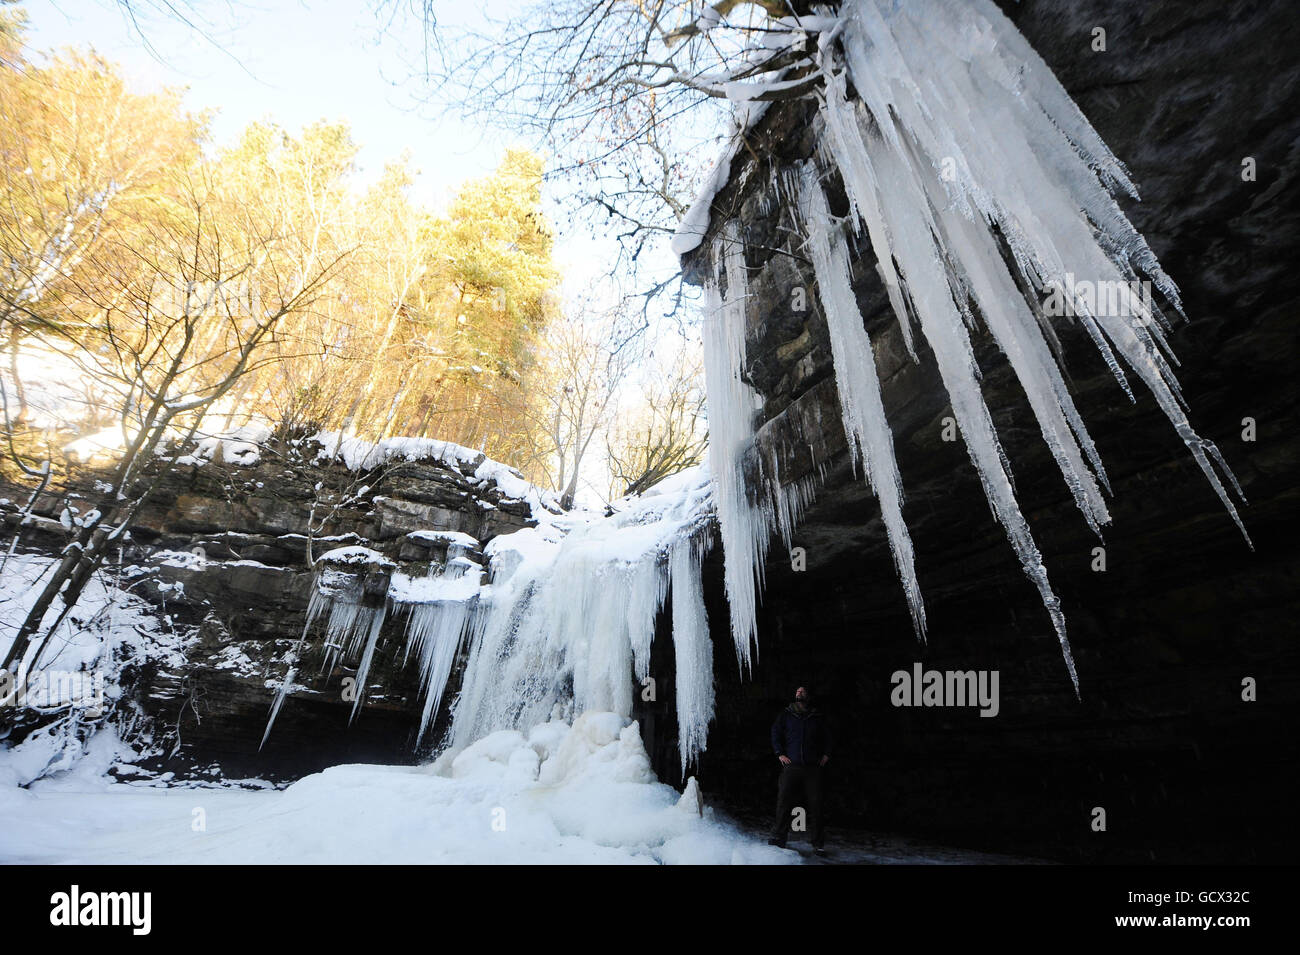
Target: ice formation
x: 982, y: 190
x: 975, y: 177
x: 732, y: 405
x: 567, y: 631
x: 564, y: 627
x: 863, y: 409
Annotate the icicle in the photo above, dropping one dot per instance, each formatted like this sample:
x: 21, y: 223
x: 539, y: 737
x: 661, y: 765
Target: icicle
x: 863, y: 409
x: 902, y: 202
x: 351, y: 629
x: 731, y: 402
x: 962, y: 152
x: 315, y: 607
x: 694, y: 651
x: 440, y: 607
x: 437, y: 630
x: 277, y: 703
x: 572, y: 631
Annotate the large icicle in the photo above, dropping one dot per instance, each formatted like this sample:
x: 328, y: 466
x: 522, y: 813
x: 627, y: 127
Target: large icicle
x: 975, y: 176
x: 985, y: 132
x: 693, y: 649
x: 732, y: 402
x: 863, y: 409
x: 441, y: 607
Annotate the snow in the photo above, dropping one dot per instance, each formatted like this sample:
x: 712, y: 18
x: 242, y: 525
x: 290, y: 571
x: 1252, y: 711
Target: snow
x: 77, y: 674
x: 358, y: 454
x: 448, y: 537
x: 782, y: 33
x: 355, y: 555
x: 694, y: 224
x: 564, y: 795
x: 403, y: 588
x: 242, y: 446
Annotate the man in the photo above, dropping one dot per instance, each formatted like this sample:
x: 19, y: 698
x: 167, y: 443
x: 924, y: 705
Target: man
x: 801, y: 740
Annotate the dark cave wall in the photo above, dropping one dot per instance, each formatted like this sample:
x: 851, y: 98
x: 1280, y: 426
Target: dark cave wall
x: 1184, y: 611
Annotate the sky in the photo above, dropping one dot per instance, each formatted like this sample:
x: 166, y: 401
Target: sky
x: 299, y: 61
x: 295, y: 61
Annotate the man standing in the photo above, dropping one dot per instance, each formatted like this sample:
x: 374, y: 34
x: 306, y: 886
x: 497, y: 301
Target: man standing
x: 801, y: 740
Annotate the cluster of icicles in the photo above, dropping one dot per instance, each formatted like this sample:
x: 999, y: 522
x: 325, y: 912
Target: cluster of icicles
x: 352, y: 625
x: 974, y: 175
x: 565, y: 625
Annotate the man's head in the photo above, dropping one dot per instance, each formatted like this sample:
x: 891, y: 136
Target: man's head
x: 803, y: 695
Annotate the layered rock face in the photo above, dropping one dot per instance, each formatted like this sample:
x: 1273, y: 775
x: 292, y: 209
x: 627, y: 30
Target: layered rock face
x: 1183, y: 612
x: 222, y: 550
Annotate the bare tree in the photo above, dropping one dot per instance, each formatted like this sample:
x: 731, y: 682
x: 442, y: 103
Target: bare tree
x: 622, y: 93
x: 665, y: 433
x: 577, y: 396
x: 174, y: 321
x: 78, y: 149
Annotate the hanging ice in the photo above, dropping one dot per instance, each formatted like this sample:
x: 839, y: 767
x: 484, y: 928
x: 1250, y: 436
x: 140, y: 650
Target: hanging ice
x: 692, y: 646
x: 567, y: 623
x: 985, y: 194
x: 865, y: 427
x: 440, y: 606
x: 732, y: 403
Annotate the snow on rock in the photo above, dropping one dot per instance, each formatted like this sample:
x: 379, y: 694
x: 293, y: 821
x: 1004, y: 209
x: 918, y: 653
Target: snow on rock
x: 358, y: 454
x: 242, y: 446
x: 355, y: 556
x: 446, y: 537
x: 403, y: 588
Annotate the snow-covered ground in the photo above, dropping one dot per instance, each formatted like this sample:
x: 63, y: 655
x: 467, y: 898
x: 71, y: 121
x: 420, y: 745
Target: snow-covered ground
x: 581, y: 794
x: 563, y: 780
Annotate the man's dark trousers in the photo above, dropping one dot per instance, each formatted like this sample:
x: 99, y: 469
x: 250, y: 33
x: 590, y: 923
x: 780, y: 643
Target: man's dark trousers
x: 800, y: 786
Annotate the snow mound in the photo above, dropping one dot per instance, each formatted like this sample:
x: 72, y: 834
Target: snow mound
x: 595, y: 803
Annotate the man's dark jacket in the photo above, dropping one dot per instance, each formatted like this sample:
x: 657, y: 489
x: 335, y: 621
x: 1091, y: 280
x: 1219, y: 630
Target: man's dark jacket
x: 804, y: 737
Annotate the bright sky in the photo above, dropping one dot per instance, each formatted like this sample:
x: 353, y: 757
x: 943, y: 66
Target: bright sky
x: 298, y: 61
x: 295, y: 61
